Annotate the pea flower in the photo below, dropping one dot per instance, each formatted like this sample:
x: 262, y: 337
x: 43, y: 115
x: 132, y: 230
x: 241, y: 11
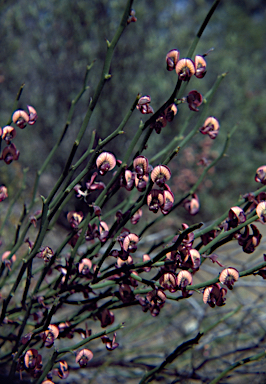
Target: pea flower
x: 105, y: 162
x: 200, y: 66
x: 172, y: 58
x: 210, y: 127
x: 185, y: 69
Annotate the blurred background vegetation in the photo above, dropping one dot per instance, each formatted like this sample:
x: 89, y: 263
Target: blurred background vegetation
x: 48, y: 44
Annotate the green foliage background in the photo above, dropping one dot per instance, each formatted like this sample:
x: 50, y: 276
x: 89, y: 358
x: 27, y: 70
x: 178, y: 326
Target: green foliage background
x: 47, y: 45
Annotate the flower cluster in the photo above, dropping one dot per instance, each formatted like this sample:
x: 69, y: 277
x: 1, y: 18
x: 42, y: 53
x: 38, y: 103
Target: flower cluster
x: 186, y: 68
x: 21, y: 118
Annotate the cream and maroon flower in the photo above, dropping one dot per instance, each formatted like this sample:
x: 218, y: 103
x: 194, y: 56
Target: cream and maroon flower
x: 260, y: 176
x: 261, y: 211
x: 105, y: 162
x: 185, y: 69
x: 50, y: 335
x: 83, y: 357
x: 183, y: 279
x: 32, y: 359
x: 132, y: 18
x: 106, y: 317
x: 168, y: 281
x: 130, y: 243
x: 8, y: 133
x: 46, y: 254
x: 170, y: 112
x: 146, y: 258
x: 248, y: 241
x: 84, y: 266
x: 136, y: 217
x: 155, y: 200
x: 228, y: 277
x: 141, y: 183
x: 195, y: 257
x: 3, y: 193
x: 128, y: 180
x: 200, y: 66
x: 192, y: 205
x: 144, y: 105
x: 141, y: 166
x: 32, y: 115
x: 155, y: 301
x: 74, y: 218
x: 160, y: 175
x: 168, y: 201
x: 120, y: 262
x: 110, y: 344
x: 214, y: 295
x: 236, y: 216
x: 103, y: 231
x: 9, y: 154
x: 63, y: 371
x: 172, y: 58
x: 7, y: 260
x: 20, y: 118
x: 159, y: 123
x: 210, y: 127
x: 194, y: 100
